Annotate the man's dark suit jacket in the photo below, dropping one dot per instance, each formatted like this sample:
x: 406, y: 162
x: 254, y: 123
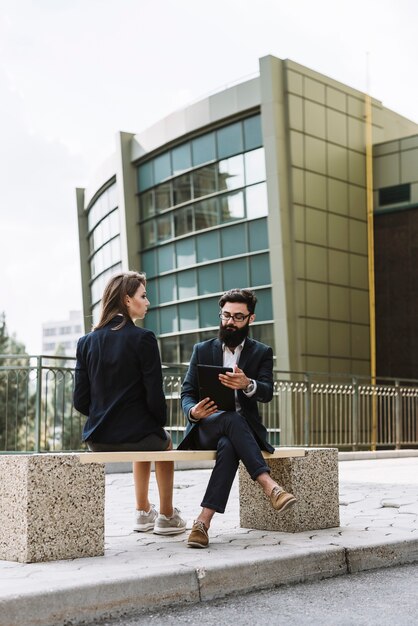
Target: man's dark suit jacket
x: 256, y: 360
x: 118, y: 384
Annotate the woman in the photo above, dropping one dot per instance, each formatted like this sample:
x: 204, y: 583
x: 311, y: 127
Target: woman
x: 118, y: 385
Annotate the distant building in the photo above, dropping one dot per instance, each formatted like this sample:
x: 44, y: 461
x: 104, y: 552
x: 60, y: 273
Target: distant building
x: 262, y: 185
x: 60, y: 337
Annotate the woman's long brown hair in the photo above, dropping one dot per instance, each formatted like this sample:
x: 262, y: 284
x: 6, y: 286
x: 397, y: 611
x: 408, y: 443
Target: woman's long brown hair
x: 113, y: 299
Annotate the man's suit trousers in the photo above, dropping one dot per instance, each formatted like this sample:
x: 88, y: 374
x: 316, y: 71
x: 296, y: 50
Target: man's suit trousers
x: 230, y: 435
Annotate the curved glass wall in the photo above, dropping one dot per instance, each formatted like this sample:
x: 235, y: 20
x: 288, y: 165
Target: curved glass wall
x: 203, y: 223
x: 104, y: 244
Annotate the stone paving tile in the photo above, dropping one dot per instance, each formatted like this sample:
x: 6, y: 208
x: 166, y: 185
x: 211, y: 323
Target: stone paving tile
x: 410, y: 509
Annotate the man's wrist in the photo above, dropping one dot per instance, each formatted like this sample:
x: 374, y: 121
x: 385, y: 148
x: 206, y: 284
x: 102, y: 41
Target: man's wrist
x: 249, y: 388
x: 192, y: 418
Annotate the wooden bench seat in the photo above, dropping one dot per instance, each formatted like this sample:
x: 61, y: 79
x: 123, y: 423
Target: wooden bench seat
x: 176, y: 455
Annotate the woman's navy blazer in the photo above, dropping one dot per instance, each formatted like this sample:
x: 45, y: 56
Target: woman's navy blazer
x: 118, y: 384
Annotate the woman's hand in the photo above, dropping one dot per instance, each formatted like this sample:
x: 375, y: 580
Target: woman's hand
x: 203, y: 409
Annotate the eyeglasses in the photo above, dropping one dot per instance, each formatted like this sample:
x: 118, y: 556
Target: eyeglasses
x: 237, y: 317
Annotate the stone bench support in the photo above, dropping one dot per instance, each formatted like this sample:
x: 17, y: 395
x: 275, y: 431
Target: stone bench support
x: 313, y: 480
x: 51, y: 508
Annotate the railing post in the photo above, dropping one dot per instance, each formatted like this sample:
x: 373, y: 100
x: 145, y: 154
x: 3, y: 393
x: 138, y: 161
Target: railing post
x: 398, y: 422
x: 38, y: 403
x: 355, y: 415
x: 308, y: 409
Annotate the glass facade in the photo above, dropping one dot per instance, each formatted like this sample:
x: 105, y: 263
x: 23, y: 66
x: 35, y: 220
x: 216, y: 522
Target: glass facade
x: 203, y: 225
x: 104, y: 244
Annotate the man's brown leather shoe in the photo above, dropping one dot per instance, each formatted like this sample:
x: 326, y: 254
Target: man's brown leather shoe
x: 281, y: 500
x: 199, y: 537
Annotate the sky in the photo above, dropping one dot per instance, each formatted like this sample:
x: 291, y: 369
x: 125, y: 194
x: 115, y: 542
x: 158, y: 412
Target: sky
x: 75, y: 72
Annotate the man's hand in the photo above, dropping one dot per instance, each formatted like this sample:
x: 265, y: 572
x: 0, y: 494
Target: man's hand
x: 235, y: 380
x: 203, y: 409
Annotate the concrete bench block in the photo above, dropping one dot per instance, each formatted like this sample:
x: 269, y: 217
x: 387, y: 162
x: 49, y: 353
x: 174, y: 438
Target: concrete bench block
x: 51, y: 507
x: 312, y: 479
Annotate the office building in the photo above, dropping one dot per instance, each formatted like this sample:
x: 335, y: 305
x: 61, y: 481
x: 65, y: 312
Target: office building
x: 261, y: 185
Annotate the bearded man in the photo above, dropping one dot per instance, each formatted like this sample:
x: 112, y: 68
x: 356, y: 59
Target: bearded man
x: 235, y: 435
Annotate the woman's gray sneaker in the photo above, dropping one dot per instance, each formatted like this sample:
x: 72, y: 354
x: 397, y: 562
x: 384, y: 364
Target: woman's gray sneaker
x: 173, y: 525
x: 145, y: 521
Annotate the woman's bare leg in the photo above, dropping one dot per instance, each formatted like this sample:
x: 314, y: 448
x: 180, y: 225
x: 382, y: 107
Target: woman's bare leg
x: 164, y: 473
x: 141, y: 472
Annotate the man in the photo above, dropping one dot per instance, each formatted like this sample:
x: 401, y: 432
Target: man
x: 236, y: 435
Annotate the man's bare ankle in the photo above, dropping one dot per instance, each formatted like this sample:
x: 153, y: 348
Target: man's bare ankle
x: 204, y: 521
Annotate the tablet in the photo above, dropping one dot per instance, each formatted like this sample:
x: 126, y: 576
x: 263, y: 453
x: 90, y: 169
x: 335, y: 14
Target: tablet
x: 211, y: 387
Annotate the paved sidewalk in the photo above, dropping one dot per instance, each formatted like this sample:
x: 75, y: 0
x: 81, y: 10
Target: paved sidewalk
x: 140, y: 571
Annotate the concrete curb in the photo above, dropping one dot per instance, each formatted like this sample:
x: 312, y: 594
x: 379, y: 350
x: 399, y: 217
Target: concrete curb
x: 188, y: 585
x: 105, y: 599
x: 361, y: 559
x: 243, y: 577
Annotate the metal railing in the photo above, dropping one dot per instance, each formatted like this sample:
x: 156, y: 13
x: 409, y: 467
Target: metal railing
x: 308, y: 409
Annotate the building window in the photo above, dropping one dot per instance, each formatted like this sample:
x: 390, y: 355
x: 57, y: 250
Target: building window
x: 162, y: 199
x: 256, y: 201
x: 167, y: 288
x: 208, y: 312
x: 186, y: 343
x: 162, y: 167
x: 205, y: 181
x: 187, y: 284
x: 264, y: 305
x: 231, y: 173
x: 104, y: 204
x: 169, y: 350
x: 149, y: 263
x: 208, y: 246
x: 166, y: 258
x: 230, y: 140
x: 235, y: 272
x: 234, y: 240
x: 395, y: 195
x: 145, y: 176
x: 182, y: 189
x: 206, y: 214
x: 204, y: 149
x: 104, y: 243
x: 185, y: 252
x: 181, y: 158
x: 183, y: 221
x: 209, y: 279
x: 188, y: 316
x: 168, y: 320
x: 258, y: 235
x: 260, y: 270
x: 232, y: 207
x: 255, y: 166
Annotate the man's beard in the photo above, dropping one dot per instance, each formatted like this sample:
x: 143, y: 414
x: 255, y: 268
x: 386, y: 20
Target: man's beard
x: 232, y: 336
